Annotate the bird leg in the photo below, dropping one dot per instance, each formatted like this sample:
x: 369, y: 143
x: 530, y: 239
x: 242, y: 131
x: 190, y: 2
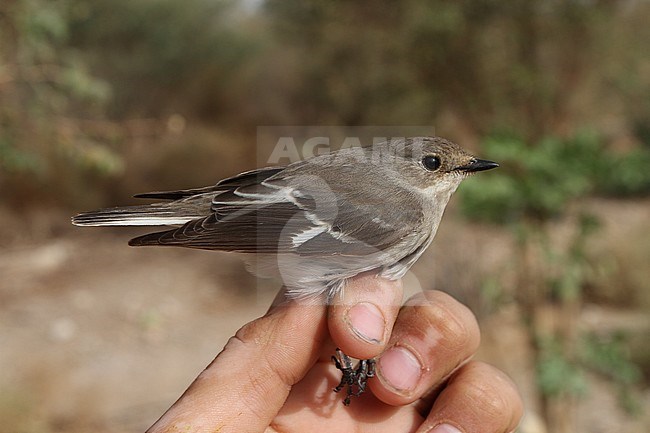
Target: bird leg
x: 354, y: 379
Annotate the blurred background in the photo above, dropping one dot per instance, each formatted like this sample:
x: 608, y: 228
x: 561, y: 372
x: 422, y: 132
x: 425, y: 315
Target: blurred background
x: 103, y: 99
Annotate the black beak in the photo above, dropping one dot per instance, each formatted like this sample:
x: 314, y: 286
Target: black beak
x: 478, y: 165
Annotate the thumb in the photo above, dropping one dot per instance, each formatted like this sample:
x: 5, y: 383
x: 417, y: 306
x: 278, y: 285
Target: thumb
x: 248, y: 382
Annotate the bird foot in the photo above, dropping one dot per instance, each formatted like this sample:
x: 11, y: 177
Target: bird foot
x: 354, y: 378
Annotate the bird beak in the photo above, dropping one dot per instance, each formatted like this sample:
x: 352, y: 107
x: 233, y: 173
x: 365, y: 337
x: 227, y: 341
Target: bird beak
x: 477, y: 165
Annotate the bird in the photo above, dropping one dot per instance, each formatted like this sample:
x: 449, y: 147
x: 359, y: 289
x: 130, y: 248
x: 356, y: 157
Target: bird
x: 318, y: 222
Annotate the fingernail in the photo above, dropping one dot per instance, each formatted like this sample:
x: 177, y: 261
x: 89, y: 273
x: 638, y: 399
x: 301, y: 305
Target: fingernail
x: 400, y: 369
x: 367, y: 322
x: 445, y: 428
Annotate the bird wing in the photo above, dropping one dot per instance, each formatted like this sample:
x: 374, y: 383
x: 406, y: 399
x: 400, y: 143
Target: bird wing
x: 245, y: 178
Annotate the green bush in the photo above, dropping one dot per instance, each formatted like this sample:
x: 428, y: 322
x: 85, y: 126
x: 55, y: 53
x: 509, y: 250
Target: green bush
x: 537, y: 182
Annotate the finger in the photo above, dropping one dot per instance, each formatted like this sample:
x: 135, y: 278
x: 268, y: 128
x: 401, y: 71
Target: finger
x: 434, y: 334
x: 478, y: 399
x: 361, y: 316
x: 248, y: 382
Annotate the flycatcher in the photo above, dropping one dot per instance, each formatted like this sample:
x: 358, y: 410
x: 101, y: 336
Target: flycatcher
x: 316, y: 222
x: 319, y: 221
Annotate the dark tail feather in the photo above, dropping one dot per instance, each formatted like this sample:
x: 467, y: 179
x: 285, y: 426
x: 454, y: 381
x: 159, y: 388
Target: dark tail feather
x: 150, y: 215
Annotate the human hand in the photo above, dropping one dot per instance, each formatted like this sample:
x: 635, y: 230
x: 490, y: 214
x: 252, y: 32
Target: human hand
x: 276, y: 375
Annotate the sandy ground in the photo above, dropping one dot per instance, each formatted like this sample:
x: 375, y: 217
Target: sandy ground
x: 97, y: 336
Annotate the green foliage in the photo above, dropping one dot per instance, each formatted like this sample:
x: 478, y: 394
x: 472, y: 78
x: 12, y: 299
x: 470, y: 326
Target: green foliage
x: 605, y: 355
x: 538, y: 182
x: 490, y: 63
x: 626, y: 174
x: 164, y: 51
x: 571, y: 269
x: 46, y: 94
x: 556, y: 374
x: 14, y: 160
x: 44, y: 66
x: 608, y: 356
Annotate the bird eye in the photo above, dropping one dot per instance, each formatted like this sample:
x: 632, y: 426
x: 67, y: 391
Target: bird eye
x: 431, y: 162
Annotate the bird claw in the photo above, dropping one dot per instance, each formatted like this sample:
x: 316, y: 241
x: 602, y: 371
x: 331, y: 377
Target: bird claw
x: 354, y: 379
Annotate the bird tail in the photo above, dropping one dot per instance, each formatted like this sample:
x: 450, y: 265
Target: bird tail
x: 158, y: 214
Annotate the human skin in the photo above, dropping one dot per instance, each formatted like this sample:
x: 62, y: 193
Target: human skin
x: 276, y: 373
